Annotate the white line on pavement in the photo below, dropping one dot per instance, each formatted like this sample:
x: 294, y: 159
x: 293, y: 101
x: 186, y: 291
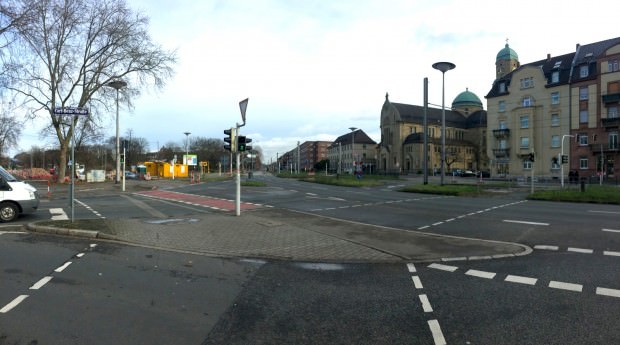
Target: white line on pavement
x: 611, y: 230
x: 521, y: 280
x: 417, y: 282
x: 565, y: 286
x: 438, y: 223
x: 443, y: 267
x: 580, y: 250
x: 481, y: 274
x: 607, y: 292
x: 411, y: 268
x: 546, y: 247
x: 524, y: 222
x: 62, y: 268
x: 436, y: 331
x: 426, y: 305
x: 611, y: 253
x: 461, y: 258
x: 13, y: 304
x: 40, y: 283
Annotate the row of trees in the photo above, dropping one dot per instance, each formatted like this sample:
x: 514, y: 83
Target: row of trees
x: 65, y: 53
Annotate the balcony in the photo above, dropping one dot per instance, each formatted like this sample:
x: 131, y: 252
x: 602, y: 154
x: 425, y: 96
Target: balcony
x: 611, y: 122
x: 498, y: 153
x: 611, y: 98
x: 501, y: 133
x: 606, y: 148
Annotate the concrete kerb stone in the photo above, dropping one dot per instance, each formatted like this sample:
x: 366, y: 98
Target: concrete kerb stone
x: 62, y: 231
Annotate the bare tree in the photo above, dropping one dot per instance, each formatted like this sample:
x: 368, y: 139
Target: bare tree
x: 10, y: 129
x: 69, y: 50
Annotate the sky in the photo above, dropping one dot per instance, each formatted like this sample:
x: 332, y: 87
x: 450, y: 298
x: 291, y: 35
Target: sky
x: 314, y: 68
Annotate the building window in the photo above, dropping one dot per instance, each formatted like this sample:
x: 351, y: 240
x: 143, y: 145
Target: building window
x: 555, y: 141
x: 583, y: 163
x: 584, y: 71
x: 555, y: 98
x: 525, y: 142
x: 583, y: 116
x: 612, y: 66
x: 503, y: 144
x: 555, y: 76
x: 501, y: 106
x: 527, y: 101
x: 527, y: 164
x: 554, y: 163
x: 525, y: 121
x: 613, y: 140
x: 582, y: 139
x: 555, y: 120
x: 583, y: 93
x: 502, y: 124
x: 527, y: 83
x: 612, y: 112
x: 502, y: 87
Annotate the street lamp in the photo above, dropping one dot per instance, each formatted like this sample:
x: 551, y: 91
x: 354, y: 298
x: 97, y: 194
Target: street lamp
x: 353, y: 129
x: 117, y: 84
x: 186, y: 143
x: 443, y: 67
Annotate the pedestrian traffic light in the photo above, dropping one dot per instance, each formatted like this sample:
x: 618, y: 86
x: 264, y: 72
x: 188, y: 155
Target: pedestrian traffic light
x: 247, y: 141
x: 531, y: 157
x: 231, y: 139
x: 241, y: 143
x: 564, y: 159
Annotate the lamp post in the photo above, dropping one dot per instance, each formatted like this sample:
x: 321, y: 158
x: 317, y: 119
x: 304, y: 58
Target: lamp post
x: 186, y: 145
x: 117, y: 84
x: 443, y: 67
x: 353, y: 129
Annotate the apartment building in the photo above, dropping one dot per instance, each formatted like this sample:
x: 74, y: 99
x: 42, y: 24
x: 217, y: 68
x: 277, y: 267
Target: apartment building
x: 354, y: 151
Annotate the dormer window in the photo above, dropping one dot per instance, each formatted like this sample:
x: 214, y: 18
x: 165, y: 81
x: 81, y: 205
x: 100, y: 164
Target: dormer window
x: 555, y: 77
x: 502, y: 87
x: 584, y: 71
x: 527, y: 83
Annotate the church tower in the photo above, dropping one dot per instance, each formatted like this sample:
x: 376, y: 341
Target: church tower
x: 507, y: 61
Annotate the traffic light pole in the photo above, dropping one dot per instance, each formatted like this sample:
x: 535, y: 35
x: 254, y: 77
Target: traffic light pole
x: 238, y: 182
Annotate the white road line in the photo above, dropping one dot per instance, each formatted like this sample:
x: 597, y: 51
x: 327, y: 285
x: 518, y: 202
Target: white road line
x: 611, y: 212
x: 566, y: 286
x: 417, y: 282
x: 423, y: 227
x: 80, y: 255
x: 438, y: 223
x: 521, y: 280
x: 611, y: 230
x: 13, y: 304
x: 443, y: 267
x: 411, y: 268
x: 481, y: 274
x: 461, y: 258
x: 58, y: 214
x: 611, y: 253
x: 449, y: 220
x: 607, y: 292
x: 426, y: 305
x: 93, y: 245
x: 62, y: 268
x: 40, y: 283
x: 546, y: 247
x: 524, y: 222
x: 580, y: 250
x: 436, y: 331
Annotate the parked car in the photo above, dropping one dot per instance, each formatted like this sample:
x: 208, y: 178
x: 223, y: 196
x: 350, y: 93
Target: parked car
x: 467, y: 173
x: 130, y: 175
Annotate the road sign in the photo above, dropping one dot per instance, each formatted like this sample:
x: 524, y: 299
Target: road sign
x: 243, y: 105
x: 70, y: 111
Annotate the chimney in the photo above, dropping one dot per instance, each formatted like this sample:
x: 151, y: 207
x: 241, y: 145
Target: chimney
x: 548, y: 56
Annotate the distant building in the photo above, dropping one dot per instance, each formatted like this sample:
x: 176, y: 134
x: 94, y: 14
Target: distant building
x: 305, y: 156
x: 401, y: 149
x: 354, y: 151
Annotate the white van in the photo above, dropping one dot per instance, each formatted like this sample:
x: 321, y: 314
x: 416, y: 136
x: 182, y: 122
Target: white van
x: 16, y: 197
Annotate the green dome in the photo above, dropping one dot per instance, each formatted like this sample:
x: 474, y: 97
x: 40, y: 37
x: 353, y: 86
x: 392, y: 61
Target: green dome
x: 507, y: 54
x: 466, y: 99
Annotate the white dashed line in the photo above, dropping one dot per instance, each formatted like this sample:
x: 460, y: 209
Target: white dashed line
x: 14, y: 303
x: 436, y: 331
x: 62, y: 268
x: 443, y: 267
x: 565, y: 286
x: 611, y: 253
x: 607, y: 292
x: 417, y: 282
x: 438, y: 223
x: 481, y: 274
x: 411, y: 268
x: 610, y: 230
x: 545, y: 247
x: 524, y: 222
x: 580, y: 250
x: 41, y: 283
x: 521, y: 280
x: 426, y: 305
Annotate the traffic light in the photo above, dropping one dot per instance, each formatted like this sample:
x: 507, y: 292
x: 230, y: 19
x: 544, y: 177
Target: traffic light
x: 241, y: 140
x: 231, y: 139
x: 531, y: 157
x: 564, y: 159
x: 247, y: 141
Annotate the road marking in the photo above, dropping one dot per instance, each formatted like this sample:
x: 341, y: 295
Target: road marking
x: 40, y: 283
x: 336, y: 199
x: 524, y: 222
x: 13, y: 304
x: 417, y: 282
x: 80, y: 255
x: 580, y: 250
x: 443, y: 267
x: 611, y: 230
x: 546, y: 247
x: 611, y: 253
x: 62, y: 268
x: 312, y: 194
x: 423, y: 227
x: 607, y: 292
x: 426, y: 305
x: 411, y: 268
x: 451, y: 219
x: 58, y: 214
x: 93, y: 245
x: 461, y: 258
x: 611, y: 212
x: 565, y: 286
x: 436, y: 331
x: 481, y: 274
x: 521, y: 280
x: 438, y: 223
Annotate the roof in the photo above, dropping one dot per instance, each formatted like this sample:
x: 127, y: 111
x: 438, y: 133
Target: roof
x: 589, y: 53
x: 507, y: 54
x: 466, y: 98
x: 415, y: 114
x: 359, y: 136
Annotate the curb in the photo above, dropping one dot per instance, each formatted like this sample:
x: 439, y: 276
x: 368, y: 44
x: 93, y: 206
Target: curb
x: 65, y: 231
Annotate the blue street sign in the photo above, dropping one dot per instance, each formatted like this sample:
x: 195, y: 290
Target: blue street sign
x: 70, y: 111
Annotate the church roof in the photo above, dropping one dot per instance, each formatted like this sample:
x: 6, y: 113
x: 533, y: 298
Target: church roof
x: 466, y: 99
x: 507, y: 53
